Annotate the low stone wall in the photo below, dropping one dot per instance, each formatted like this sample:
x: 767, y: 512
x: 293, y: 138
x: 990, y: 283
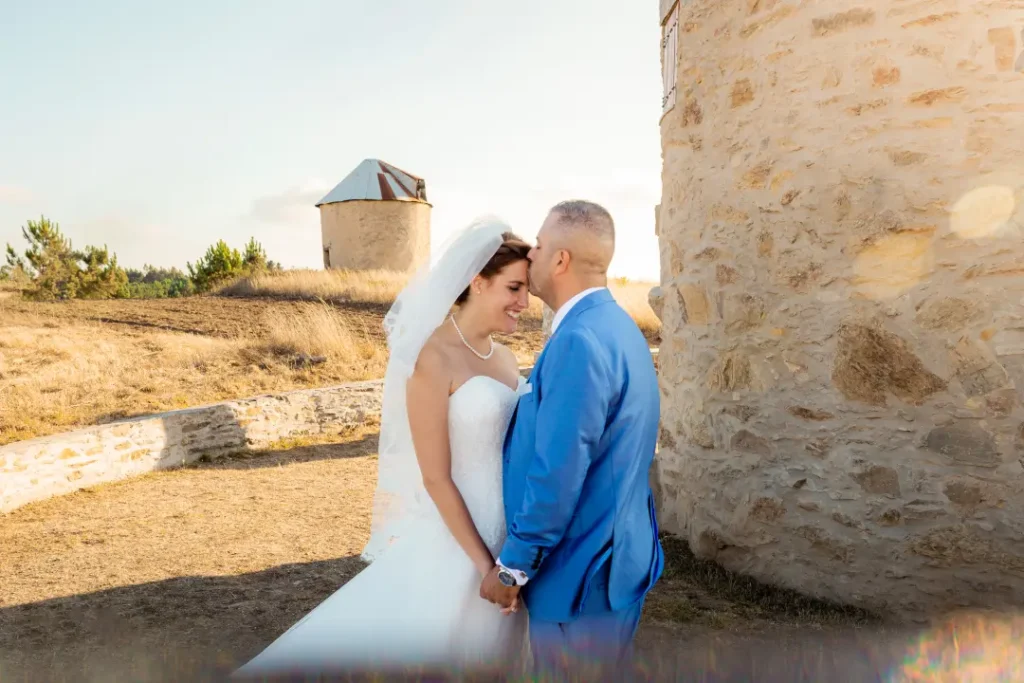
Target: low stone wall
x: 55, y: 465
x: 62, y: 463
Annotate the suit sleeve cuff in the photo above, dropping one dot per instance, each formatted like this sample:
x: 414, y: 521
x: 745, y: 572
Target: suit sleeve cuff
x: 520, y: 575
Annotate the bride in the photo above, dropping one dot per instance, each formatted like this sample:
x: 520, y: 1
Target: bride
x: 438, y: 522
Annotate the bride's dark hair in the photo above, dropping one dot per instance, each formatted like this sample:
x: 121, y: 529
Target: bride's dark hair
x: 512, y: 250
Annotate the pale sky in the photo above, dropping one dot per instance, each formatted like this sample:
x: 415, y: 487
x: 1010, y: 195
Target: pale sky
x: 158, y: 128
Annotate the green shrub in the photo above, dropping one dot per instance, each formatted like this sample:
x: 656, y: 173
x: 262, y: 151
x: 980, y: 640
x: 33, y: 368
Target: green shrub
x: 158, y: 283
x: 222, y: 264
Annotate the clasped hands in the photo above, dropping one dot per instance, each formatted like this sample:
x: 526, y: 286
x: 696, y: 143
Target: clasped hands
x: 493, y: 590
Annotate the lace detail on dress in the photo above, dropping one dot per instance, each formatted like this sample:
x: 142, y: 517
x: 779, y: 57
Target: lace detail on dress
x: 478, y: 417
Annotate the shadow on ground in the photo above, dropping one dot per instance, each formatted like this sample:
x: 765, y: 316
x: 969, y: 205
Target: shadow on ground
x: 296, y: 451
x: 200, y: 628
x: 191, y: 628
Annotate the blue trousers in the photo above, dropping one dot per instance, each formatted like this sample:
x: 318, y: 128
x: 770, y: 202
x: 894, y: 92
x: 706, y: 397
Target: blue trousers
x: 599, y: 638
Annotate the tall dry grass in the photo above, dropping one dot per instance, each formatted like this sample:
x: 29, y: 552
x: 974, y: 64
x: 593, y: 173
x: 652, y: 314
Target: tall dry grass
x: 336, y: 286
x: 381, y: 287
x: 634, y: 298
x: 321, y: 330
x: 58, y: 376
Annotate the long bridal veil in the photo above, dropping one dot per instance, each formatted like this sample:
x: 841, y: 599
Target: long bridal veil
x: 418, y: 310
x: 379, y: 621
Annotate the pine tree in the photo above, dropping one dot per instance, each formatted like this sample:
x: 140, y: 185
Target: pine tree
x: 49, y: 261
x: 56, y: 271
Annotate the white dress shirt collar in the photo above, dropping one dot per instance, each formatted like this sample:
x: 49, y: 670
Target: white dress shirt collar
x: 567, y: 306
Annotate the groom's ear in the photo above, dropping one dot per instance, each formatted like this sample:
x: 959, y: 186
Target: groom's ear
x: 562, y: 262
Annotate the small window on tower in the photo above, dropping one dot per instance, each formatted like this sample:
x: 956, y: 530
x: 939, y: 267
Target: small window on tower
x: 669, y: 56
x: 327, y: 257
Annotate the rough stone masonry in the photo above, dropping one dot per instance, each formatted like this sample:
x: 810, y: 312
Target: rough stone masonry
x: 842, y: 297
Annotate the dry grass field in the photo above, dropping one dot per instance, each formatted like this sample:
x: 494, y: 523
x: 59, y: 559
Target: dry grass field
x: 9, y: 289
x: 70, y: 364
x: 185, y: 574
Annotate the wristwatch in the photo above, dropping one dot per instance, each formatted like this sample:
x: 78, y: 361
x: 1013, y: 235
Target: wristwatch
x: 506, y: 577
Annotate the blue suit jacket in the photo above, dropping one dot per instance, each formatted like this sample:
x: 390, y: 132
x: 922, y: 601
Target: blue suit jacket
x: 576, y: 463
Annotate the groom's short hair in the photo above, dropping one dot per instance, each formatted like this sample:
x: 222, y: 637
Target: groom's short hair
x: 595, y: 223
x: 584, y: 214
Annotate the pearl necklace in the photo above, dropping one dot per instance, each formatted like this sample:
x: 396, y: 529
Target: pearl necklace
x: 469, y: 346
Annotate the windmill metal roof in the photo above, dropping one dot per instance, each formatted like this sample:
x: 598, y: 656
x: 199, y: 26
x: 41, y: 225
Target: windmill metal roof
x: 377, y: 180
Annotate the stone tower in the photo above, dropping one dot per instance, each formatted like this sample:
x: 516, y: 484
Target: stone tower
x: 842, y: 291
x: 376, y: 218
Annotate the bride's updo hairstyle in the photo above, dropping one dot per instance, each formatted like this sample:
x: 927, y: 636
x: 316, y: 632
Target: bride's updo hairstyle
x: 512, y: 250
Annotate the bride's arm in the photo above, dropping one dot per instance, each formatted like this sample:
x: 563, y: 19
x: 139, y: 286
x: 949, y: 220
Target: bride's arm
x: 427, y: 402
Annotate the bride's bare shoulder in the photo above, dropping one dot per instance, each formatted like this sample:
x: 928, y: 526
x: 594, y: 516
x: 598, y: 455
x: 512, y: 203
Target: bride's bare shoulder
x: 507, y: 355
x: 435, y: 356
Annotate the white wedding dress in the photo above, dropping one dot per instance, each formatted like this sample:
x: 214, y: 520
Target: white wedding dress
x: 418, y: 603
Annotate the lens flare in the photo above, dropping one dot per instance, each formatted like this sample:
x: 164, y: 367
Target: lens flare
x: 983, y: 212
x: 970, y: 648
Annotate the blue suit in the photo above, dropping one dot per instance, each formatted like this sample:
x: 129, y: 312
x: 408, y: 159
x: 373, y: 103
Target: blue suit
x: 578, y: 502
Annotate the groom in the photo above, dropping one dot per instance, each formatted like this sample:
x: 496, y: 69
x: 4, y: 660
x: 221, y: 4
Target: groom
x: 582, y: 544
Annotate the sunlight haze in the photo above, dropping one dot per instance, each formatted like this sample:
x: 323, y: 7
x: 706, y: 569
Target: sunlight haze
x: 157, y: 130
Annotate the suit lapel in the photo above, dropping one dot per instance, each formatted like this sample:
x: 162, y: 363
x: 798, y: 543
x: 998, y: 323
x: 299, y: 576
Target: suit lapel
x: 596, y: 299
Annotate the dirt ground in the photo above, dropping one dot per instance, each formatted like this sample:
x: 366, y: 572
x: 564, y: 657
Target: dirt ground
x: 185, y: 574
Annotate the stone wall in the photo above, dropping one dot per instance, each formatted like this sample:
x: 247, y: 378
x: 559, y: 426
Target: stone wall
x: 842, y: 297
x: 41, y: 468
x: 374, y: 234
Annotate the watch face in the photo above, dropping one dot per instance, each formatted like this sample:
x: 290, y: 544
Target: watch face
x: 506, y: 578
